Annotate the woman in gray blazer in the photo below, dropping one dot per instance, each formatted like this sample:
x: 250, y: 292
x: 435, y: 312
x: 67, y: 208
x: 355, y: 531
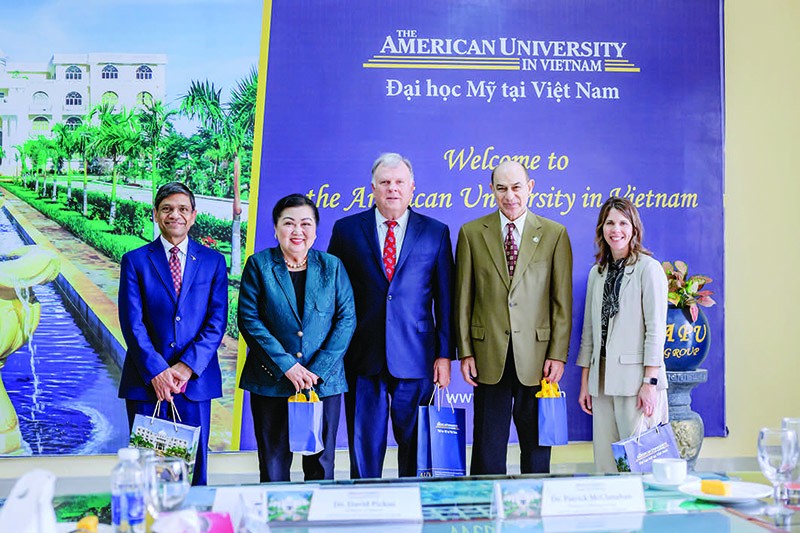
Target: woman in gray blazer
x: 297, y: 315
x: 624, y: 328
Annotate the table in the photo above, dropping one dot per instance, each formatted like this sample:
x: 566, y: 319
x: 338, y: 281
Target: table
x: 464, y: 505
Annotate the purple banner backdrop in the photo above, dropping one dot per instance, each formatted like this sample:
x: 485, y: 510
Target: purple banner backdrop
x: 596, y: 99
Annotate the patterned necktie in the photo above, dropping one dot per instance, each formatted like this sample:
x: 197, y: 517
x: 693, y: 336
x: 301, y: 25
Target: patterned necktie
x: 390, y: 250
x: 511, y: 250
x: 175, y: 268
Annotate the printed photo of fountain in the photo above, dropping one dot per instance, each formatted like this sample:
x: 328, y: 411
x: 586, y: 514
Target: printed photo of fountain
x: 57, y: 389
x: 92, y: 123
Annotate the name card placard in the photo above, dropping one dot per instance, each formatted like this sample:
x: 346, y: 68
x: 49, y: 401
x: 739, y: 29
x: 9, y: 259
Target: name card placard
x: 592, y: 495
x: 372, y: 504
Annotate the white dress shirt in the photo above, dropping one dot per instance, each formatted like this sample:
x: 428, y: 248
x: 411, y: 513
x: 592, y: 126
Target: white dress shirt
x: 399, y: 231
x: 183, y: 249
x: 519, y: 226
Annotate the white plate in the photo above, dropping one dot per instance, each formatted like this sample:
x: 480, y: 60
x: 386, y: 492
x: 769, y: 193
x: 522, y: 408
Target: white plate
x: 741, y: 492
x: 653, y: 484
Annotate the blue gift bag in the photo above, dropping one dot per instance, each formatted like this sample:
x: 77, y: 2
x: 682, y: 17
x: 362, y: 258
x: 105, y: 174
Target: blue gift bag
x: 441, y: 441
x: 636, y: 453
x: 305, y: 427
x: 553, y: 421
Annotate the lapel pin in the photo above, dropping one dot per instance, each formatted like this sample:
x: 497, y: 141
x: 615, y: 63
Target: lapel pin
x: 536, y: 239
x: 194, y: 258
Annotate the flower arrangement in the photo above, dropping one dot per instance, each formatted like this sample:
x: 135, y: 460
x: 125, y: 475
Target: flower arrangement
x: 684, y: 291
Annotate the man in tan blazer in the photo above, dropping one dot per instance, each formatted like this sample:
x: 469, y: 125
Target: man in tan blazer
x: 513, y: 317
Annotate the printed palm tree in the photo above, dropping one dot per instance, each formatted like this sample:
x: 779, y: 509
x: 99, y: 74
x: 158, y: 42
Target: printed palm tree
x: 154, y: 119
x: 118, y: 136
x: 39, y: 151
x: 231, y: 126
x: 84, y: 140
x: 26, y: 153
x: 21, y: 159
x: 2, y: 154
x: 53, y: 155
x: 65, y: 141
x: 39, y: 156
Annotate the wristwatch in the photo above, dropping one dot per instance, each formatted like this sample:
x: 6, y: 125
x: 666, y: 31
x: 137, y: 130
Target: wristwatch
x: 650, y: 381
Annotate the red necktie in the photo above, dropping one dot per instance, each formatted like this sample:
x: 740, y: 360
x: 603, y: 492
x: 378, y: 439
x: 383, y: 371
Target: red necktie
x: 175, y: 268
x: 390, y: 250
x: 511, y: 250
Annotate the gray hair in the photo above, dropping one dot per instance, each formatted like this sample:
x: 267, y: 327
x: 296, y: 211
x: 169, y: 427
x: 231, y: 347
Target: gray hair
x: 391, y: 160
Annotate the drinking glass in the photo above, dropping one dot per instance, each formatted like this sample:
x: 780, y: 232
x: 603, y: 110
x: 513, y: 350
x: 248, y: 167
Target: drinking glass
x: 793, y: 486
x: 167, y: 483
x: 777, y: 457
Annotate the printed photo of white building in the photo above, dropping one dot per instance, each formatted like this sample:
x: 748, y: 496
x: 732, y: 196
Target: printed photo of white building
x: 163, y: 441
x: 35, y: 96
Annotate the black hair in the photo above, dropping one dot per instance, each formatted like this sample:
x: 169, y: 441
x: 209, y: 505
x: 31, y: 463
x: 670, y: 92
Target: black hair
x: 293, y: 200
x: 171, y: 188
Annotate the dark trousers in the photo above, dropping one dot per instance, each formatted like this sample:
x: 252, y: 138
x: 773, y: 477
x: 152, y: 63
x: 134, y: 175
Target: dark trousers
x: 494, y: 407
x: 369, y: 403
x: 192, y: 414
x: 271, y: 424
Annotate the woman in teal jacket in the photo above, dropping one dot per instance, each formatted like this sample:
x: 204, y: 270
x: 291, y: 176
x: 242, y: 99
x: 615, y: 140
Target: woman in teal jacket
x: 297, y: 315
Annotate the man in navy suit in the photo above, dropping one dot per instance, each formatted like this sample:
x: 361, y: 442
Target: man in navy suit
x: 173, y: 307
x: 400, y: 264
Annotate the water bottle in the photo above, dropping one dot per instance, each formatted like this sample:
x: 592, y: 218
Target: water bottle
x: 127, y: 493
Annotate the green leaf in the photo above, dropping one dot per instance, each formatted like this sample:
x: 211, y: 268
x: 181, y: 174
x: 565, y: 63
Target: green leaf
x: 674, y: 298
x: 700, y: 280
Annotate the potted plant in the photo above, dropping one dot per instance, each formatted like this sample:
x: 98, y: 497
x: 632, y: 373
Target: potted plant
x: 688, y: 337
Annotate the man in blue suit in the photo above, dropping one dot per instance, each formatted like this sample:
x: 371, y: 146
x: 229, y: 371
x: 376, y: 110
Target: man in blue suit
x: 173, y: 307
x: 400, y: 264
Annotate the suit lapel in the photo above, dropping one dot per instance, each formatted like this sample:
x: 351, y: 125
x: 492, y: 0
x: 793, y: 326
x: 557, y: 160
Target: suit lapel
x: 370, y: 229
x: 190, y: 270
x: 158, y: 258
x: 313, y: 273
x: 284, y: 281
x: 492, y: 236
x: 626, y: 277
x: 531, y: 237
x: 412, y: 232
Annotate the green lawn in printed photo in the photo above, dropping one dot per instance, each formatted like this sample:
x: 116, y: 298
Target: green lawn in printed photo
x: 98, y: 233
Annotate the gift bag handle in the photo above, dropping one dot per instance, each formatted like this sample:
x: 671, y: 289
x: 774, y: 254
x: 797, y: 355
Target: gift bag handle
x: 435, y: 389
x: 438, y: 391
x: 176, y: 417
x: 297, y: 392
x: 155, y: 412
x: 641, y: 426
